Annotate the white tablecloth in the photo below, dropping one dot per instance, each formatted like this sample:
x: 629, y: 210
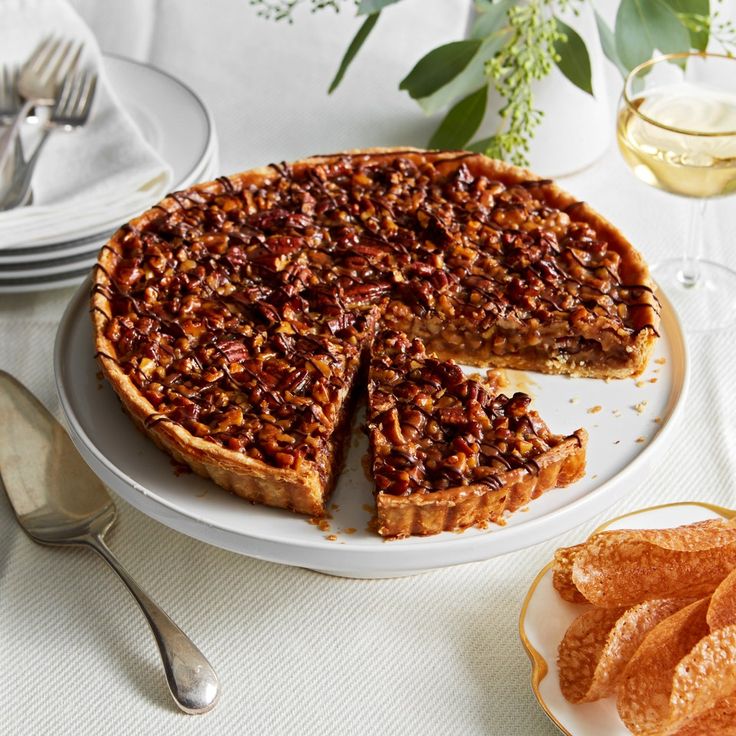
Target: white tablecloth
x: 299, y: 652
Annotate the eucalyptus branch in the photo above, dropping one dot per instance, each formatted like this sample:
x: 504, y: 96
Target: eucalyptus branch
x: 528, y: 56
x: 723, y: 32
x: 284, y: 9
x: 514, y: 43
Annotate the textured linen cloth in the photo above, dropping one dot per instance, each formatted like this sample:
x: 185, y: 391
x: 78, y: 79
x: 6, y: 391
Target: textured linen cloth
x: 103, y: 172
x: 298, y: 652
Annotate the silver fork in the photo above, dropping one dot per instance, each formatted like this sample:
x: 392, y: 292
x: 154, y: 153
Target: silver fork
x: 38, y: 82
x: 70, y: 112
x: 10, y: 101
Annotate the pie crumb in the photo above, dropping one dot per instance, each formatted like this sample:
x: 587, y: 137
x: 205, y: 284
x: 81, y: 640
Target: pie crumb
x: 180, y: 468
x: 660, y: 361
x: 616, y: 412
x: 641, y: 440
x: 595, y: 409
x: 367, y: 508
x: 639, y: 408
x: 349, y: 530
x: 497, y: 378
x: 657, y: 420
x: 331, y: 538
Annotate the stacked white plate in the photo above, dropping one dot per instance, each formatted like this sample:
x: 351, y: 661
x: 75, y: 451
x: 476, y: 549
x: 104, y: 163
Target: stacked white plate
x: 175, y: 122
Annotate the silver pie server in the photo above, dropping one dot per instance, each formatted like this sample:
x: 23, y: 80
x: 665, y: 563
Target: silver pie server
x: 59, y: 501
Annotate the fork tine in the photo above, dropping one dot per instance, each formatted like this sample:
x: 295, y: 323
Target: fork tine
x: 5, y: 96
x: 47, y: 53
x: 73, y: 62
x: 9, y: 87
x: 89, y: 97
x: 41, y: 48
x: 82, y: 101
x: 51, y: 70
x: 62, y: 103
x: 76, y: 93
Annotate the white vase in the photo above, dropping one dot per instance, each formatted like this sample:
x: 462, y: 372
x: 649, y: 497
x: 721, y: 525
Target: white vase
x: 576, y: 129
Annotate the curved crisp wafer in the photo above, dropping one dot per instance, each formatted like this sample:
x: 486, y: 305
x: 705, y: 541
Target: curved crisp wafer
x: 720, y: 720
x: 625, y: 567
x: 581, y: 649
x: 599, y: 643
x: 647, y: 682
x: 722, y: 609
x: 704, y: 676
x: 562, y: 574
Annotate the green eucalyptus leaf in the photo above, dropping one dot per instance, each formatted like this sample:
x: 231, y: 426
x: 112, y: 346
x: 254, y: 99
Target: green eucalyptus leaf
x: 491, y: 17
x: 461, y: 121
x: 698, y: 39
x: 368, y: 7
x: 355, y: 44
x: 608, y: 43
x: 469, y: 79
x: 574, y: 61
x: 440, y: 66
x: 645, y: 25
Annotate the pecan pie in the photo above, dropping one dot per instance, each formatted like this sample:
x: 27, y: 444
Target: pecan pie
x: 232, y: 318
x: 447, y: 453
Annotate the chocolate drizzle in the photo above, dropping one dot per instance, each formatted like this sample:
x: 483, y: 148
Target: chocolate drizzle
x: 433, y: 429
x: 316, y: 252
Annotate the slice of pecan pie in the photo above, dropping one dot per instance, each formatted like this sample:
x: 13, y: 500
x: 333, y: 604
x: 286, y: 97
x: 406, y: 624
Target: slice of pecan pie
x: 231, y: 318
x: 447, y: 453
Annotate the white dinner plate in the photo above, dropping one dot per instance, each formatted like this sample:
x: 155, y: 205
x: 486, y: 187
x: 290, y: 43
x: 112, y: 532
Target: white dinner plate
x: 545, y: 617
x: 170, y: 116
x: 37, y: 272
x: 68, y: 271
x: 628, y: 422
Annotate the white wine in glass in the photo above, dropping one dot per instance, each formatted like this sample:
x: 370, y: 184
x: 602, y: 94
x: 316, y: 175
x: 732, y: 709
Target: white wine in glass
x: 677, y: 132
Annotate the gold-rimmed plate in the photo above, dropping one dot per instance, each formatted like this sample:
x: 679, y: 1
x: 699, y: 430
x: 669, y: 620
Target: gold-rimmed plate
x: 545, y: 617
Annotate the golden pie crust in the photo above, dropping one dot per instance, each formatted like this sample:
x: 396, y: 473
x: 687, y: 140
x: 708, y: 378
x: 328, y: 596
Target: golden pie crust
x: 306, y: 489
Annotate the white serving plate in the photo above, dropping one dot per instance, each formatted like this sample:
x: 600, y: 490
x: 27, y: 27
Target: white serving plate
x: 143, y: 475
x: 171, y: 118
x: 545, y: 617
x: 59, y: 265
x: 68, y: 271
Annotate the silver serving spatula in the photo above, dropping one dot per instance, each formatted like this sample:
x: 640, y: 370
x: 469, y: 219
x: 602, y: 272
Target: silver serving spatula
x: 58, y: 500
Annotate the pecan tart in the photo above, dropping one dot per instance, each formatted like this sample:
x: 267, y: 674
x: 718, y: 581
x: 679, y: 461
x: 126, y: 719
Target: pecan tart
x: 448, y: 453
x: 232, y: 319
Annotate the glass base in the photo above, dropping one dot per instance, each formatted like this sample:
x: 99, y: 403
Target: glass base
x: 705, y: 304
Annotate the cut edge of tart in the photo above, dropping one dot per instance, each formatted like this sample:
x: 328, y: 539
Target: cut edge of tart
x: 430, y: 426
x: 306, y: 490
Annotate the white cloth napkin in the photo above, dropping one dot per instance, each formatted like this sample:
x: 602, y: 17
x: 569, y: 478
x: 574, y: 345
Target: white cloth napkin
x: 94, y: 177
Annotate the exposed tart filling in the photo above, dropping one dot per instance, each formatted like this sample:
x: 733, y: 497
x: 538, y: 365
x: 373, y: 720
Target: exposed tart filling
x: 237, y: 311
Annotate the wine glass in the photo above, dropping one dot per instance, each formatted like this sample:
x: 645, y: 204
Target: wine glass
x: 677, y: 132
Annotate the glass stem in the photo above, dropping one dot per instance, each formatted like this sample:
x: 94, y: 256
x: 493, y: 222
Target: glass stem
x: 689, y: 274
